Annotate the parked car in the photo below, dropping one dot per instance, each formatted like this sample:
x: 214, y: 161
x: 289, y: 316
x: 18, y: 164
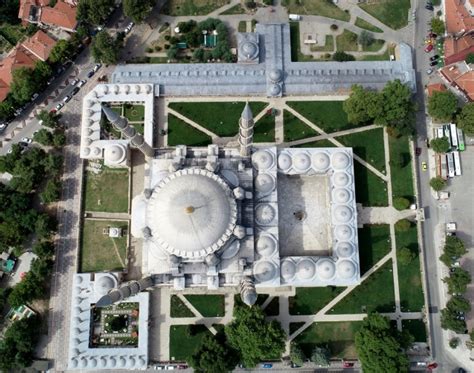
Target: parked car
x: 75, y: 81
x: 435, y: 57
x: 67, y: 98
x: 81, y: 83
x: 90, y: 74
x: 429, y: 7
x: 424, y: 166
x: 433, y: 63
x: 75, y: 90
x: 429, y: 48
x: 3, y: 127
x: 347, y: 364
x: 23, y: 144
x: 267, y: 366
x: 97, y: 67
x: 432, y: 366
x: 27, y: 140
x: 432, y: 35
x: 35, y: 96
x: 418, y: 151
x: 429, y: 71
x: 59, y: 106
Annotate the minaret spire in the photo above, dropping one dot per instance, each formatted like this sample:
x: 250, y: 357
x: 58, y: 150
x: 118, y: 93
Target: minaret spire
x: 246, y: 124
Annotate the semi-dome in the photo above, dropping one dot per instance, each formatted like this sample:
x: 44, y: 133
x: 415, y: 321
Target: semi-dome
x: 287, y: 269
x: 249, y: 49
x: 305, y: 269
x: 73, y: 363
x: 301, y: 161
x: 346, y: 269
x: 83, y: 363
x: 326, y: 269
x: 284, y: 161
x: 321, y: 161
x: 264, y: 183
x: 112, y: 362
x: 341, y: 179
x: 192, y: 213
x: 262, y: 160
x: 274, y: 90
x: 265, y: 213
x: 95, y: 151
x: 264, y: 271
x: 344, y: 249
x: 102, y: 362
x: 104, y: 284
x: 92, y: 362
x: 340, y: 160
x: 342, y: 214
x: 86, y: 151
x: 115, y: 153
x: 275, y: 75
x: 343, y: 232
x: 341, y: 195
x: 266, y: 244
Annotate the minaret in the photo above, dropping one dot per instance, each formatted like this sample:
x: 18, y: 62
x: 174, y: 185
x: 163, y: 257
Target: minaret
x: 248, y: 294
x: 246, y: 131
x: 121, y: 124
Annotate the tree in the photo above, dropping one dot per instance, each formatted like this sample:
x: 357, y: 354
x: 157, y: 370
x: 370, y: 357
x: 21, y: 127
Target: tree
x: 321, y: 356
x: 253, y: 336
x: 49, y: 119
x: 172, y: 53
x: 41, y: 74
x: 94, y: 11
x: 451, y: 321
x: 401, y: 203
x: 440, y: 145
x: 341, y: 56
x: 442, y: 105
x: 296, y: 354
x: 459, y: 304
x: 399, y: 159
x: 61, y: 52
x: 437, y: 25
x: 405, y: 255
x: 198, y: 54
x: 9, y: 12
x: 362, y: 106
x: 43, y: 137
x: 213, y: 356
x: 457, y: 281
x: 51, y: 192
x: 44, y: 249
x: 23, y: 84
x: 465, y: 119
x: 454, y: 248
x: 59, y: 139
x: 437, y: 183
x: 45, y: 225
x: 366, y: 38
x: 454, y: 342
x: 403, y: 225
x: 105, y: 48
x: 137, y: 10
x: 380, y: 347
x: 469, y: 58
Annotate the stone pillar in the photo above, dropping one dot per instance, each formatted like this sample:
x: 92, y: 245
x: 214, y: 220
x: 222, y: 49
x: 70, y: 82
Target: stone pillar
x: 246, y: 124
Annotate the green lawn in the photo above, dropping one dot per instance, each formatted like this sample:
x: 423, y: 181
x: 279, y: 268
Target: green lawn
x: 371, y: 190
x: 106, y: 191
x: 242, y: 26
x: 362, y: 23
x: 134, y: 113
x: 296, y: 55
x: 402, y: 177
x: 207, y: 305
x: 192, y: 7
x: 273, y: 308
x: 317, y: 144
x: 411, y: 291
x: 264, y: 130
x: 327, y: 115
x: 316, y: 7
x: 236, y: 9
x: 417, y: 328
x: 368, y: 145
x: 308, y: 301
x: 374, y: 244
x: 375, y: 46
x: 374, y: 294
x: 182, y: 345
x: 327, y: 47
x: 221, y: 118
x: 181, y: 133
x: 294, y: 326
x: 393, y: 13
x: 178, y: 308
x: 347, y: 42
x: 99, y: 252
x: 294, y: 129
x: 339, y: 336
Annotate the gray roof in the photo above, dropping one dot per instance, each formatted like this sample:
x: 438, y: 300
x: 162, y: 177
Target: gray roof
x: 247, y: 112
x: 240, y: 79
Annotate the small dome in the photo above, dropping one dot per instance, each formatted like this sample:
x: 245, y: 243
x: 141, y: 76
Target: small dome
x: 264, y: 271
x: 264, y: 183
x: 79, y: 280
x: 274, y: 90
x: 122, y: 362
x: 95, y: 151
x: 321, y: 161
x: 141, y: 361
x: 137, y: 88
x: 92, y: 362
x: 301, y: 161
x: 73, y: 363
x: 87, y: 141
x: 266, y: 245
x: 264, y: 214
x: 342, y: 214
x: 341, y: 195
x: 78, y: 310
x: 112, y: 362
x: 326, y: 269
x: 116, y: 89
x: 262, y: 160
x: 83, y: 363
x: 77, y: 331
x: 284, y: 161
x: 126, y: 88
x: 76, y: 342
x: 131, y: 362
x: 148, y: 88
x: 75, y: 352
x: 340, y: 160
x: 115, y: 153
x: 287, y: 269
x: 343, y: 232
x: 249, y: 49
x: 305, y: 269
x: 346, y: 269
x: 102, y: 362
x: 341, y: 179
x: 231, y: 250
x: 275, y: 75
x: 104, y: 284
x: 86, y: 151
x: 344, y: 249
x: 104, y: 88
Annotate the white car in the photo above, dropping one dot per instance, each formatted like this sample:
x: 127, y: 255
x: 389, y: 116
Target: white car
x: 75, y: 81
x: 81, y: 83
x: 59, y: 106
x: 27, y: 140
x: 429, y: 71
x: 97, y: 67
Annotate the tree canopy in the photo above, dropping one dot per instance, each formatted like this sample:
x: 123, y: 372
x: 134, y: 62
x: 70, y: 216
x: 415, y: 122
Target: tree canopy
x: 94, y: 12
x: 321, y: 356
x: 469, y: 58
x: 365, y: 38
x: 213, y: 356
x: 454, y: 248
x: 405, y: 255
x: 49, y: 119
x: 137, y: 10
x: 465, y: 119
x: 341, y: 56
x: 105, y: 48
x: 442, y: 105
x: 62, y: 51
x: 254, y: 337
x: 457, y: 281
x: 437, y: 183
x: 296, y: 354
x: 450, y: 320
x: 440, y: 144
x: 437, y: 25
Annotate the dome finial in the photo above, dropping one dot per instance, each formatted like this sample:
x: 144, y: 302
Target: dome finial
x: 189, y: 210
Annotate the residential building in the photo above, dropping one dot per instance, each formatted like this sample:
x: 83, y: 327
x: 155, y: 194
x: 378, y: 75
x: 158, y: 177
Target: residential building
x: 457, y: 49
x: 460, y: 77
x: 458, y: 16
x: 40, y: 44
x: 62, y: 15
x: 436, y: 87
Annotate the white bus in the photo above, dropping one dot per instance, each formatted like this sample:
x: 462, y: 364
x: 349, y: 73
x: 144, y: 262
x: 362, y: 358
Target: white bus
x: 447, y: 132
x: 439, y: 132
x: 450, y: 162
x: 454, y: 135
x: 457, y: 163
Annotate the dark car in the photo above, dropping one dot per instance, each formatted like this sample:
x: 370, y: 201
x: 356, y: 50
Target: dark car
x: 435, y: 57
x: 429, y: 7
x: 75, y: 90
x: 433, y: 63
x: 90, y: 73
x: 418, y: 151
x: 432, y: 35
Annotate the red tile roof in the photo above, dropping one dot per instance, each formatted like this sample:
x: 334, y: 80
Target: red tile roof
x: 466, y: 84
x: 457, y: 49
x: 25, y: 6
x: 437, y: 87
x: 457, y: 17
x: 40, y: 44
x: 62, y: 15
x: 460, y: 76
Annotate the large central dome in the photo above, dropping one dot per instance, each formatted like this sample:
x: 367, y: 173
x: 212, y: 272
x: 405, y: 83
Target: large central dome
x: 192, y: 213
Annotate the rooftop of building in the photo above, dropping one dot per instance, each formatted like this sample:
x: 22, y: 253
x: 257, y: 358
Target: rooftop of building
x: 457, y: 17
x: 40, y: 44
x: 62, y: 15
x: 436, y: 87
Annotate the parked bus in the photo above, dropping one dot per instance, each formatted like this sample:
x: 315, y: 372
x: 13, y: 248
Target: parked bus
x: 461, y: 146
x: 439, y: 132
x: 454, y: 135
x: 457, y: 163
x: 447, y: 132
x: 450, y: 162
